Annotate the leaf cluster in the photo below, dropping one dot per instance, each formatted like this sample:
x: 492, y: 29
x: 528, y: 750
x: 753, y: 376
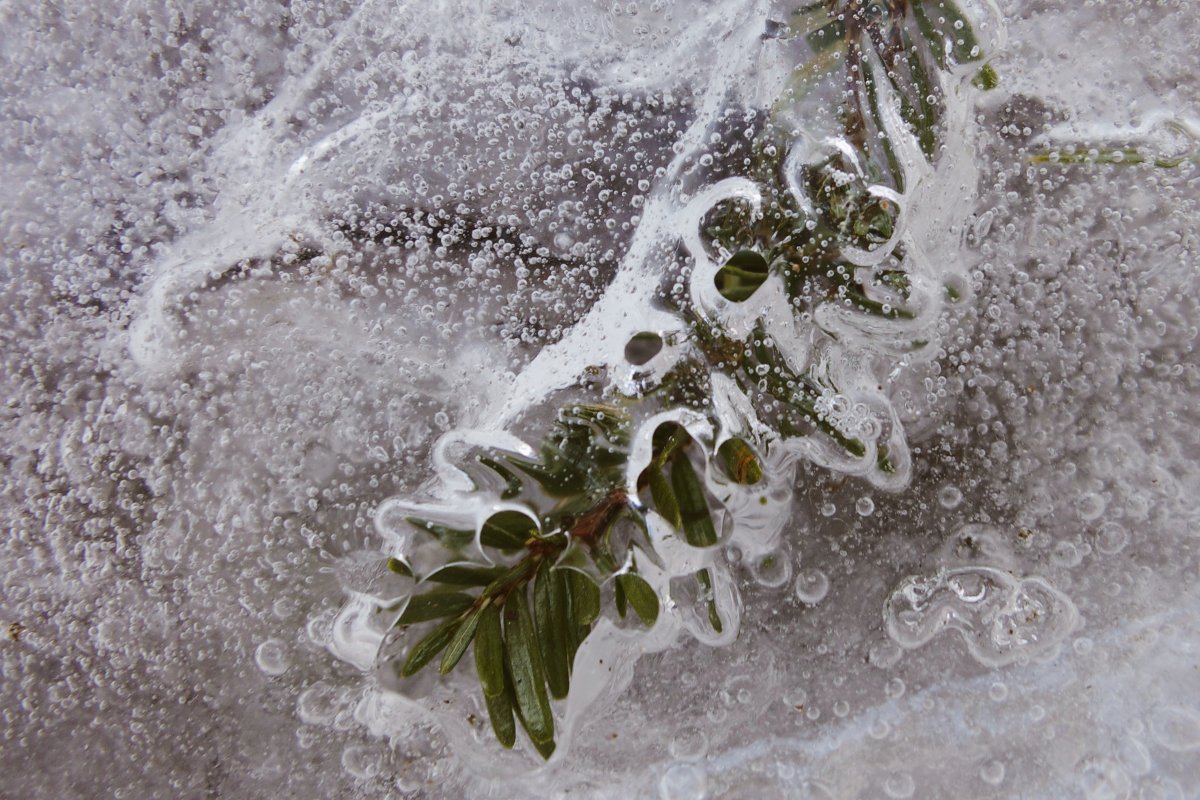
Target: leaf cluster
x: 526, y: 613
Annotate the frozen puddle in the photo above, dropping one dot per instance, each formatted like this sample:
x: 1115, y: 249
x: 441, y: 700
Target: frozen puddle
x: 271, y: 270
x: 1000, y: 618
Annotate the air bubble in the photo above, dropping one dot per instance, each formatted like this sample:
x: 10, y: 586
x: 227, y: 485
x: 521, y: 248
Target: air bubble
x: 811, y: 586
x: 865, y: 506
x: 1111, y: 538
x: 271, y: 657
x: 684, y: 782
x: 900, y: 786
x: 992, y: 773
x: 950, y: 497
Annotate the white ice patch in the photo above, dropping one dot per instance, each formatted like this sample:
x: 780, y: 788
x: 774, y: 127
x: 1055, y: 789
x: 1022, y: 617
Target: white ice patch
x: 1000, y: 618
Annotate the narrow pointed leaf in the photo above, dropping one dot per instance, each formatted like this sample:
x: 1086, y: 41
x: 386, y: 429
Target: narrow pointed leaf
x: 500, y: 711
x: 619, y: 598
x: 452, y: 538
x: 434, y: 605
x: 697, y: 522
x: 545, y: 749
x: 663, y: 496
x: 427, y: 649
x: 585, y: 597
x: 458, y: 644
x: 706, y: 583
x: 561, y: 481
x: 399, y: 567
x: 641, y: 596
x: 525, y: 667
x: 549, y: 614
x: 489, y: 651
x: 507, y: 530
x: 512, y: 484
x: 466, y: 575
x: 740, y: 461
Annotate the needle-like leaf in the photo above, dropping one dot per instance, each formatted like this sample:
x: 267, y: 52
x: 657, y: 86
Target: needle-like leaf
x: 460, y: 641
x: 525, y: 667
x: 640, y: 596
x: 550, y: 617
x: 697, y: 522
x: 466, y: 575
x: 434, y: 605
x: 507, y: 530
x: 427, y: 649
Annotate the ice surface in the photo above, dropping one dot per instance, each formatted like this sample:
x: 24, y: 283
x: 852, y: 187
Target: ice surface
x: 258, y: 258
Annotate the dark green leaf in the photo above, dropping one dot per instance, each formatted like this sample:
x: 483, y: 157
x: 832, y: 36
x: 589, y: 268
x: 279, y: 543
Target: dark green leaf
x: 740, y: 461
x: 526, y: 669
x: 451, y: 538
x: 500, y: 711
x: 489, y: 651
x: 947, y: 30
x: 664, y: 497
x: 698, y: 528
x: 827, y: 36
x: 462, y: 638
x: 641, y: 597
x: 545, y: 749
x: 425, y: 650
x: 619, y: 598
x: 585, y: 597
x: 642, y: 347
x: 560, y: 481
x: 986, y: 78
x: 512, y: 484
x: 706, y: 584
x: 507, y: 530
x: 741, y: 276
x: 466, y: 575
x: 434, y: 605
x: 550, y: 616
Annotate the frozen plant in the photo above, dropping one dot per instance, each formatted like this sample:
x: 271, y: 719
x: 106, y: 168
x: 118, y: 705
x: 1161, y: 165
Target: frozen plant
x: 636, y: 483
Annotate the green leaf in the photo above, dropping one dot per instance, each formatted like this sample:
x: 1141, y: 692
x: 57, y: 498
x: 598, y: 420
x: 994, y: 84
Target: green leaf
x: 706, y: 583
x: 664, y: 497
x: 545, y: 749
x: 466, y: 575
x: 497, y: 689
x: 740, y: 461
x: 561, y: 481
x: 500, y: 711
x: 947, y: 30
x: 641, y: 596
x: 462, y: 638
x: 434, y: 605
x: 550, y: 616
x: 741, y: 276
x: 642, y: 347
x: 622, y: 602
x: 451, y: 538
x: 489, y: 651
x: 507, y: 530
x: 986, y: 78
x: 697, y: 522
x: 585, y: 597
x: 512, y: 484
x: 399, y: 567
x: 827, y: 36
x: 525, y: 667
x: 425, y: 650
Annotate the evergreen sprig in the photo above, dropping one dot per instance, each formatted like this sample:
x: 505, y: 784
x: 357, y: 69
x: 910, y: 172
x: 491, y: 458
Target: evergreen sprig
x: 526, y: 586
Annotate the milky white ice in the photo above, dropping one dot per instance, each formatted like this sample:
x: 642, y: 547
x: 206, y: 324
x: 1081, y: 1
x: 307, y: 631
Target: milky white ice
x: 266, y: 265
